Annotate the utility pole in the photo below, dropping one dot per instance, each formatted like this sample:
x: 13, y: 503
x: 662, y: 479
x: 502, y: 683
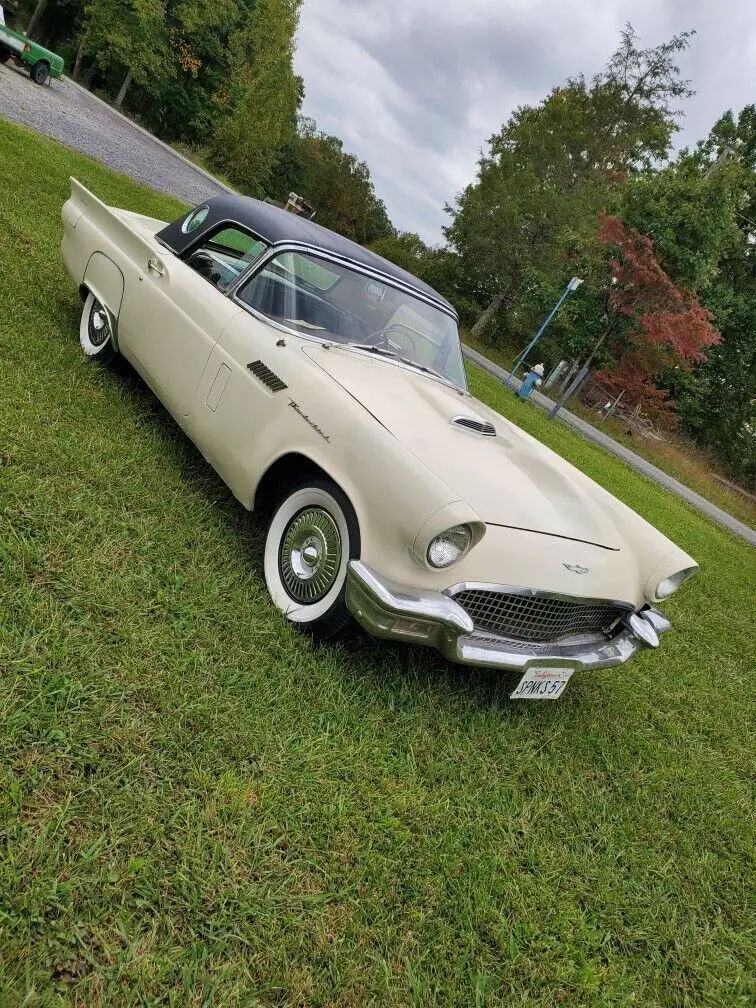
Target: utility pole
x: 578, y: 379
x: 571, y: 286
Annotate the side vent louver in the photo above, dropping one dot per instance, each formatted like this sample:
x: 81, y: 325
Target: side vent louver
x: 475, y: 424
x: 266, y: 376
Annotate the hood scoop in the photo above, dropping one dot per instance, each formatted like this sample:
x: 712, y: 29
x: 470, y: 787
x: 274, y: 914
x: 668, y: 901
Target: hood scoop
x: 506, y: 476
x: 475, y: 424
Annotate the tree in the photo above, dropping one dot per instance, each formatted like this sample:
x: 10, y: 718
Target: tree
x: 54, y: 25
x: 404, y: 249
x: 651, y: 323
x: 184, y: 91
x: 128, y: 37
x: 315, y: 165
x: 690, y: 214
x: 534, y: 205
x: 36, y: 17
x: 717, y: 399
x: 441, y: 268
x: 377, y: 221
x: 195, y: 99
x: 263, y: 95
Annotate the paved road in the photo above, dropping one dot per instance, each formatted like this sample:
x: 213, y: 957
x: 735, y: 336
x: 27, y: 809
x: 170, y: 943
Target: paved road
x: 75, y: 117
x: 636, y: 461
x: 78, y: 119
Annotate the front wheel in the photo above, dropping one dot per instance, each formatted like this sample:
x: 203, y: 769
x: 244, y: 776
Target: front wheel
x: 96, y: 331
x: 39, y: 72
x: 312, y: 536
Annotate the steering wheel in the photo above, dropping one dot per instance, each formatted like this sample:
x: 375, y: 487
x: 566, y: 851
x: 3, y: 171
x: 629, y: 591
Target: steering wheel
x: 394, y: 327
x: 206, y: 266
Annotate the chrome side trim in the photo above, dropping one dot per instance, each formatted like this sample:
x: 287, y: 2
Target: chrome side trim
x: 218, y: 225
x: 271, y: 251
x: 395, y: 612
x: 555, y: 535
x: 259, y: 264
x: 279, y: 326
x: 375, y: 274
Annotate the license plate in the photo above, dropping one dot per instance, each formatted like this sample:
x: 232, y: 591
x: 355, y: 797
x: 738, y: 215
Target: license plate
x: 542, y: 684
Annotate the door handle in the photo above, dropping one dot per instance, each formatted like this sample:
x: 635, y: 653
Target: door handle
x: 156, y: 266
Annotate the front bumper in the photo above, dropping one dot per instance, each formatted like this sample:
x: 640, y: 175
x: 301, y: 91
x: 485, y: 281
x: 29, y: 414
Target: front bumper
x: 394, y: 612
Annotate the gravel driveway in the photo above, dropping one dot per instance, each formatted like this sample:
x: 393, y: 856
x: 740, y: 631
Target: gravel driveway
x: 70, y: 114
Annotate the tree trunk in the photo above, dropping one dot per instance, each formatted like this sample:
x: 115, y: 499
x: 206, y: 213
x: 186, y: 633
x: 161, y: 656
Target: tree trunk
x: 79, y: 57
x: 124, y: 88
x: 579, y: 378
x: 482, y: 323
x: 599, y: 343
x: 34, y: 20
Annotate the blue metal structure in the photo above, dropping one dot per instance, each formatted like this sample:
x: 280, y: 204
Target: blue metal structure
x: 571, y: 286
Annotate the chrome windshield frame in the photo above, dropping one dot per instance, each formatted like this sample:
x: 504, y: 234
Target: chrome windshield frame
x: 272, y: 251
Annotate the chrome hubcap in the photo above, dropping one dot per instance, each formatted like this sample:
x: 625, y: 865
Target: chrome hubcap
x: 99, y: 327
x: 310, y: 555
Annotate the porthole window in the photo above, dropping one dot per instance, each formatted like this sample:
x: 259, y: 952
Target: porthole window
x: 195, y: 219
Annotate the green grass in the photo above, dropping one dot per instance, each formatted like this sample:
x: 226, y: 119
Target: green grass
x: 674, y: 455
x: 197, y: 807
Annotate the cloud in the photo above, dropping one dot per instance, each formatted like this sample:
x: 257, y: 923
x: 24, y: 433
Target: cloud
x: 416, y: 87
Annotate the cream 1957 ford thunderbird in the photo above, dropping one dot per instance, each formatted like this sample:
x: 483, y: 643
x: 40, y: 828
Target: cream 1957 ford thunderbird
x: 326, y: 387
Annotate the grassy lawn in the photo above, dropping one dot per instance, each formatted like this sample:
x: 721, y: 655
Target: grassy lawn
x: 675, y: 456
x: 197, y: 807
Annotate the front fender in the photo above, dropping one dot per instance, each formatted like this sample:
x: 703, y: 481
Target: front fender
x: 393, y: 496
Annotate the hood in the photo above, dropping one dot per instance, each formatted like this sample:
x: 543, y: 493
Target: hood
x: 509, y: 479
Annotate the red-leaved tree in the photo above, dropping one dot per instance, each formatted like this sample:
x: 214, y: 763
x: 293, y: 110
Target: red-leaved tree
x: 651, y: 323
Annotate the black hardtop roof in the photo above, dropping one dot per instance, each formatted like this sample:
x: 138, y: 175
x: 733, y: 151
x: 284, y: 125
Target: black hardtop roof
x: 275, y: 226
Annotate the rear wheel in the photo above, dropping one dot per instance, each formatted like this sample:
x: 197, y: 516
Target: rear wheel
x: 96, y: 331
x: 312, y: 536
x: 40, y: 72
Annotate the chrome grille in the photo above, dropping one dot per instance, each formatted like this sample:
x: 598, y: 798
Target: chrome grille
x: 536, y: 618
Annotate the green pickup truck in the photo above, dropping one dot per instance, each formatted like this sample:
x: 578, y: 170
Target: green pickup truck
x: 42, y: 63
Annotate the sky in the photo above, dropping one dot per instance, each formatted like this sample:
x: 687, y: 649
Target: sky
x: 416, y: 87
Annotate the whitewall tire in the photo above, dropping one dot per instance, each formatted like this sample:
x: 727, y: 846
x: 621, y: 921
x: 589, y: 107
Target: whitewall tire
x: 312, y: 536
x: 96, y: 331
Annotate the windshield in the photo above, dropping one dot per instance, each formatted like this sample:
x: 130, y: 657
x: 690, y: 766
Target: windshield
x: 318, y: 297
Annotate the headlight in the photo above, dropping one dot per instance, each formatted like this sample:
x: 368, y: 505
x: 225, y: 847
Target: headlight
x: 450, y: 546
x: 670, y: 584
